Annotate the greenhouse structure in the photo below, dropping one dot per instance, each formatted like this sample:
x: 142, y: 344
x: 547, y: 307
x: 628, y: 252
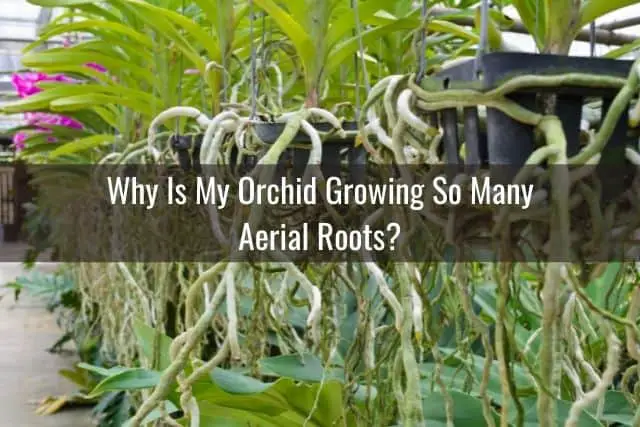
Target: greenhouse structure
x: 288, y: 213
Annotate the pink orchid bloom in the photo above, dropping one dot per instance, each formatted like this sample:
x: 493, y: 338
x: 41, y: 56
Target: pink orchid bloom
x: 26, y: 85
x: 99, y: 68
x: 40, y: 119
x: 18, y: 140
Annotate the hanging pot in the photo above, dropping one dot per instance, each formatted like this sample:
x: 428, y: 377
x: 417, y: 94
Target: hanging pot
x: 187, y: 149
x: 509, y: 143
x: 270, y: 132
x: 334, y: 148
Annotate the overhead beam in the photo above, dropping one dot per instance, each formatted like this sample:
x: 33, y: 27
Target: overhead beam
x: 620, y: 24
x: 25, y: 40
x: 602, y: 36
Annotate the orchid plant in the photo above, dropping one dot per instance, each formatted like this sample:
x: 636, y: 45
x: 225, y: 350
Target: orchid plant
x: 27, y: 84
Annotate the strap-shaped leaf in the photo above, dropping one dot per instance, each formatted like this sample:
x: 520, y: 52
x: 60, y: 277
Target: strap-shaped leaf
x: 82, y: 144
x: 594, y: 9
x: 294, y: 31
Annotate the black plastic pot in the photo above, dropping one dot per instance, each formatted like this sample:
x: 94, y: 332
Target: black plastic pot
x: 508, y: 142
x: 270, y: 132
x: 187, y: 148
x: 333, y: 147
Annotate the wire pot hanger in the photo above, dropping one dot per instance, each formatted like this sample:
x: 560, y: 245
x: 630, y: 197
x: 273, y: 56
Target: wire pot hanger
x: 484, y: 36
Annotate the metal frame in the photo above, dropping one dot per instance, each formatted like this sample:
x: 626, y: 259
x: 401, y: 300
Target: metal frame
x: 621, y: 24
x: 603, y: 35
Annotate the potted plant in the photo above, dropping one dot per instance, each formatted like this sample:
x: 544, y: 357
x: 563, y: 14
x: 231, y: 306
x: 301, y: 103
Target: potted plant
x: 320, y: 38
x: 325, y: 35
x: 554, y: 31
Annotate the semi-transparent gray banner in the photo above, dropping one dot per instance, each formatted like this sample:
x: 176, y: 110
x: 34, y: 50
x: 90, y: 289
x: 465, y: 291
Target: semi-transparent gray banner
x: 143, y: 213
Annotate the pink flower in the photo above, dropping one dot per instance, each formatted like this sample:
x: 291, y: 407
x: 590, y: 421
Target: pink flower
x: 40, y: 119
x: 99, y: 68
x: 18, y: 140
x: 26, y: 83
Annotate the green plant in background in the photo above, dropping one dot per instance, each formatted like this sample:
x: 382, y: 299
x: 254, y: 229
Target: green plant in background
x: 554, y: 25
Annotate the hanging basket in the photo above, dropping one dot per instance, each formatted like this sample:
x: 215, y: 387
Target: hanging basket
x: 187, y: 149
x: 270, y: 132
x: 508, y: 142
x: 335, y: 150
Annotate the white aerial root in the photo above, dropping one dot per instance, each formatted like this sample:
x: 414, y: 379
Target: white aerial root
x: 374, y: 127
x: 435, y: 146
x: 228, y: 122
x: 315, y: 299
x: 613, y: 362
x: 579, y: 355
x: 412, y: 155
x: 632, y: 315
x: 634, y: 114
x: 315, y: 155
x: 386, y: 293
x: 370, y: 353
x: 586, y: 322
x: 633, y: 156
x: 404, y: 112
x: 567, y: 315
x: 172, y: 113
x: 239, y: 136
x: 210, y: 150
x: 572, y: 338
x: 388, y: 100
x: 194, y: 413
x: 329, y: 117
x: 594, y: 160
x: 220, y: 126
x: 236, y: 87
x: 416, y: 313
x: 530, y: 341
x: 376, y: 272
x: 109, y: 157
x: 232, y: 313
x: 573, y: 377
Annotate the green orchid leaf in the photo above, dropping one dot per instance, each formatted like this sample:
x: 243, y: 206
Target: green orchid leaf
x: 594, y: 9
x: 127, y: 380
x: 300, y: 38
x: 148, y: 338
x: 467, y: 410
x: 82, y: 144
